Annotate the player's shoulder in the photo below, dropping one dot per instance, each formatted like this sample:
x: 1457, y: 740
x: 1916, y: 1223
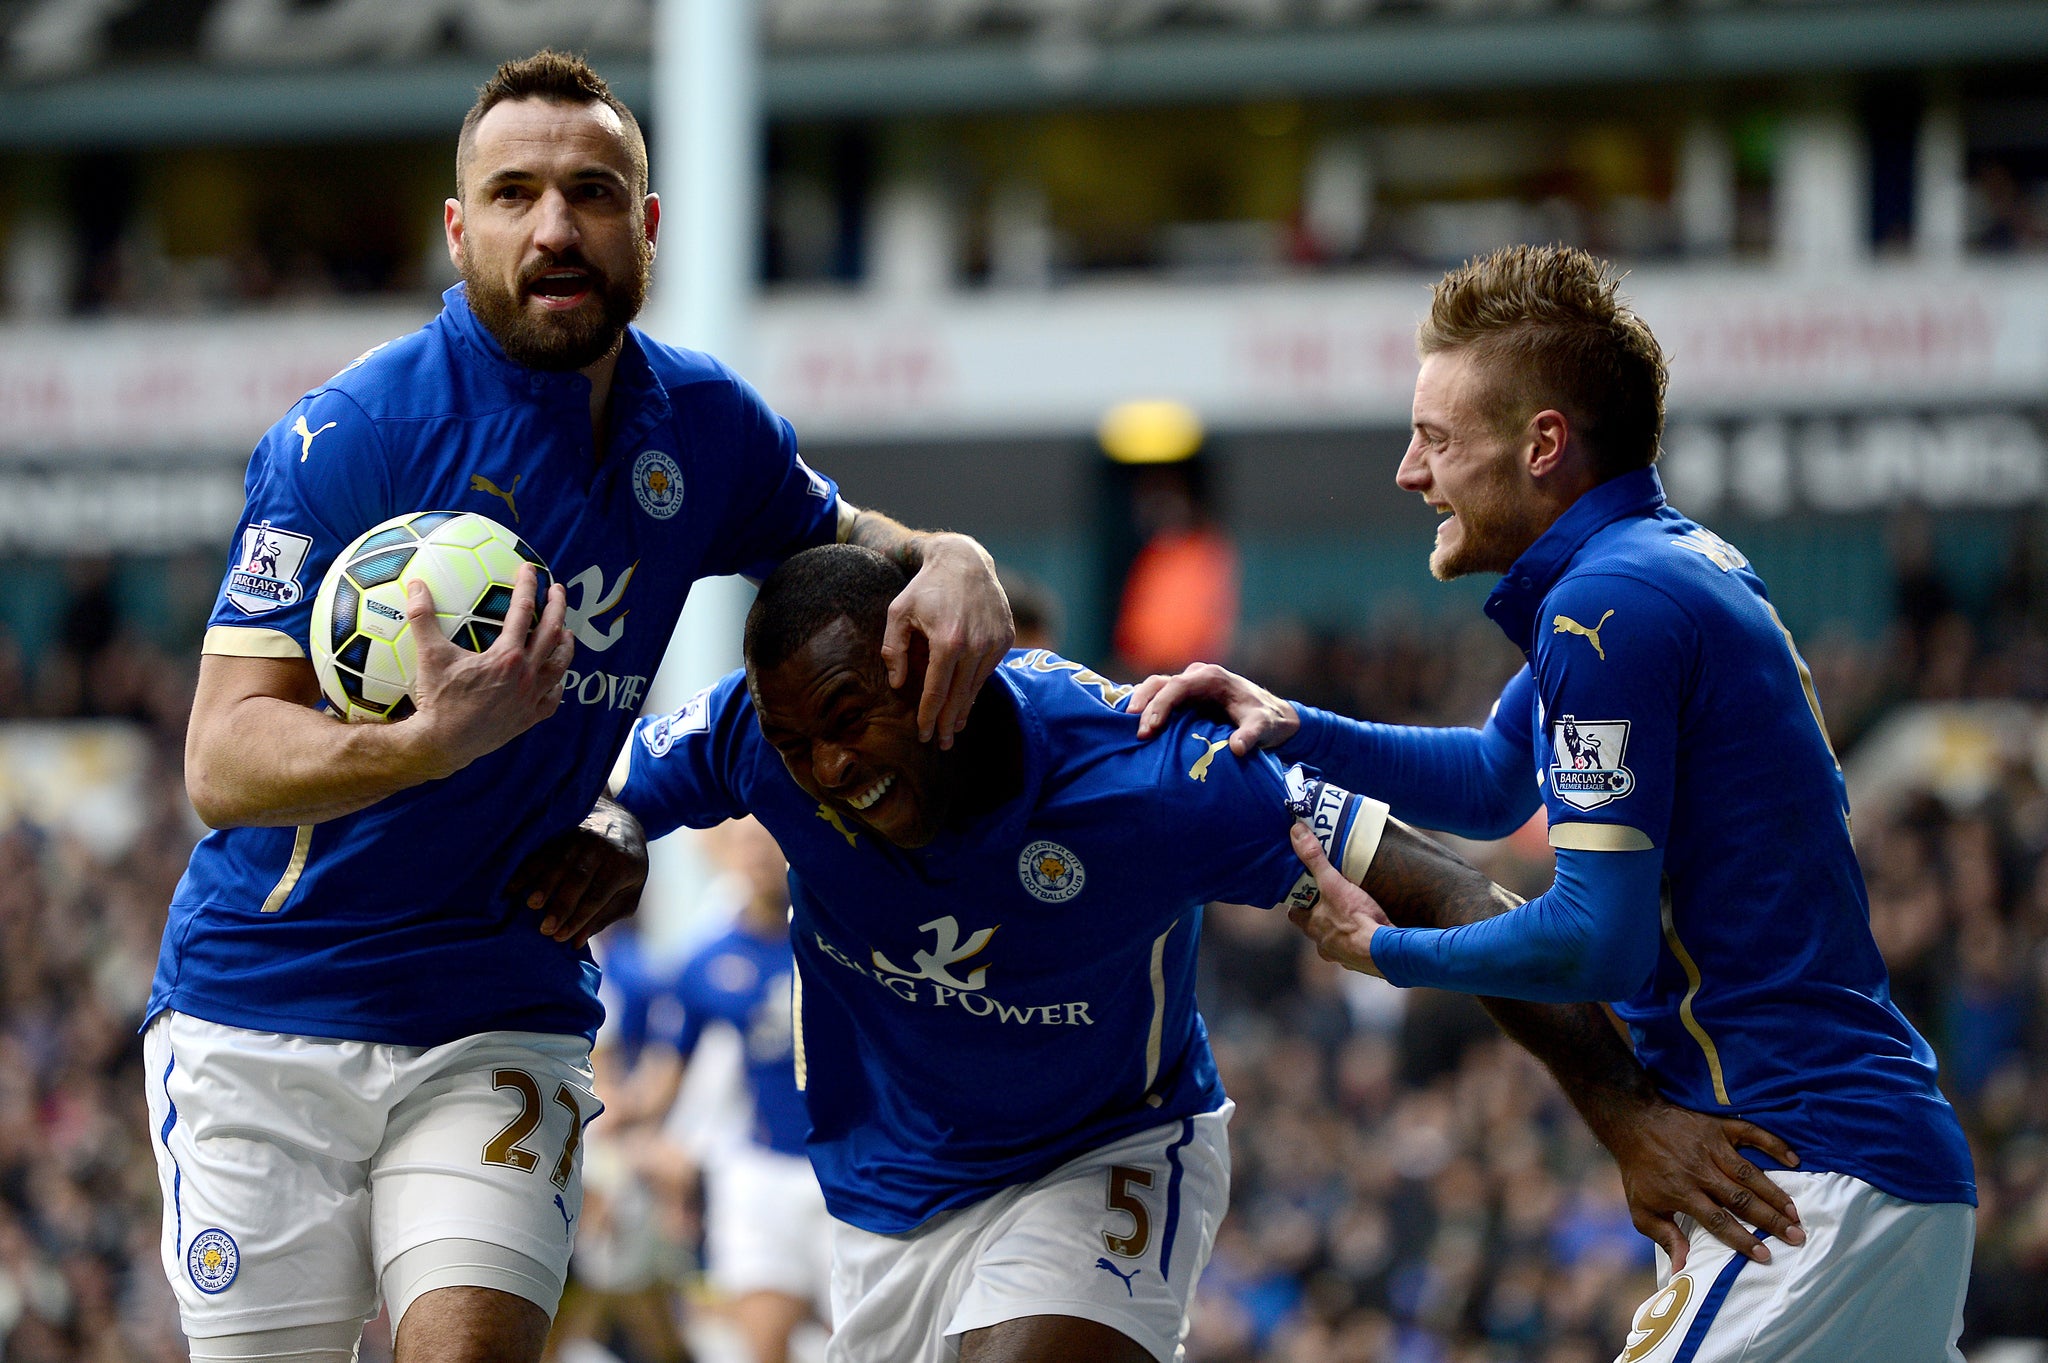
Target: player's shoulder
x: 723, y: 706
x: 1663, y: 564
x: 694, y: 380
x: 1091, y: 736
x: 1068, y: 706
x: 416, y: 374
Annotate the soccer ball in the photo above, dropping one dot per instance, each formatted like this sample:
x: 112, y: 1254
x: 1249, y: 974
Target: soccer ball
x: 363, y: 650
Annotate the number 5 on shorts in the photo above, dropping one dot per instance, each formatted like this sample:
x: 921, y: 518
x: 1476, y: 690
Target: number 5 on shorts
x: 505, y: 1148
x: 1122, y: 1199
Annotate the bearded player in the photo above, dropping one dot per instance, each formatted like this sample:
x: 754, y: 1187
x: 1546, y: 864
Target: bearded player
x: 368, y: 1060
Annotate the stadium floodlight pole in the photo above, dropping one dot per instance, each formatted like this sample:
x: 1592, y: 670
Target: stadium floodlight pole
x: 706, y: 150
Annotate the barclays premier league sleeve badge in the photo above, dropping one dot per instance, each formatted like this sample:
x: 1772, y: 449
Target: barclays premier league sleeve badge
x: 1586, y: 770
x: 213, y: 1261
x: 266, y: 572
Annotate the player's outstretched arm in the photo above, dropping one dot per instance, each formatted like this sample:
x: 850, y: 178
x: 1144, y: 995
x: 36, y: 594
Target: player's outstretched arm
x: 1672, y: 1159
x: 257, y: 754
x: 1261, y: 719
x: 954, y: 603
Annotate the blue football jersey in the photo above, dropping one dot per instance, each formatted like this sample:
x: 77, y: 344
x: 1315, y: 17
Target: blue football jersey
x: 973, y: 1013
x: 392, y: 924
x: 744, y: 981
x: 1666, y: 707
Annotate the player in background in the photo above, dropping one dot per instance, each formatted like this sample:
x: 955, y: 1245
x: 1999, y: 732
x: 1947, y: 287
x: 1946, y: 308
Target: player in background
x: 1706, y: 881
x: 369, y: 1031
x: 768, y: 1244
x: 1014, y: 1112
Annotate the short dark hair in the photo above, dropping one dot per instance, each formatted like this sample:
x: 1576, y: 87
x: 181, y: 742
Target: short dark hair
x: 1551, y: 325
x: 563, y: 78
x: 811, y: 590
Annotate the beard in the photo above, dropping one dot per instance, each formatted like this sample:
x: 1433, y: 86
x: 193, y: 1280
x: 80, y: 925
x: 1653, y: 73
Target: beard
x: 567, y: 340
x: 1493, y: 528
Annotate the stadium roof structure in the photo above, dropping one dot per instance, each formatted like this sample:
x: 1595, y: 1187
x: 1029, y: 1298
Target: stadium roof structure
x: 163, y: 103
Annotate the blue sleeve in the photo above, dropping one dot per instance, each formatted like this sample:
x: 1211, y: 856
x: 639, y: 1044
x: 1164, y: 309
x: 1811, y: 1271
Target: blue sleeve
x: 318, y: 479
x: 780, y: 506
x: 1221, y: 819
x: 1613, y: 660
x: 1476, y: 783
x: 1592, y: 938
x: 687, y: 769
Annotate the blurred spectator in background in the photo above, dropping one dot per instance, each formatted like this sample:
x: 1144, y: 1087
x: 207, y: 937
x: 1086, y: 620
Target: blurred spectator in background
x: 1179, y: 600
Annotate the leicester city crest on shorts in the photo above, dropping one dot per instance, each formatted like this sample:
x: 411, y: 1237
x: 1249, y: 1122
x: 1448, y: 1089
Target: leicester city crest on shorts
x: 658, y: 484
x: 1050, y: 872
x: 266, y: 572
x: 1587, y: 770
x: 213, y: 1261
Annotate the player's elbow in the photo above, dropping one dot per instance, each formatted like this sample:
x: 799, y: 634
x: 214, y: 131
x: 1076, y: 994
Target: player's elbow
x: 1608, y: 977
x: 209, y: 784
x: 210, y: 801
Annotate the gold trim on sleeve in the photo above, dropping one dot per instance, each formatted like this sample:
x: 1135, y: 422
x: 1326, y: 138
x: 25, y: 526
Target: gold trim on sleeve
x: 1599, y: 837
x: 1155, y: 1034
x: 1685, y: 1014
x: 796, y: 1018
x: 301, y: 845
x: 248, y: 641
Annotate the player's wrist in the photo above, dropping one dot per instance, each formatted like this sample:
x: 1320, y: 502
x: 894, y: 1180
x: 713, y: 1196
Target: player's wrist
x: 948, y: 549
x: 424, y: 749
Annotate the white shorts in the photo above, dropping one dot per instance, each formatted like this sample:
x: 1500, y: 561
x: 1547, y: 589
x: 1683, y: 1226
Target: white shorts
x: 1117, y: 1236
x: 1877, y: 1281
x: 295, y: 1170
x: 766, y: 1228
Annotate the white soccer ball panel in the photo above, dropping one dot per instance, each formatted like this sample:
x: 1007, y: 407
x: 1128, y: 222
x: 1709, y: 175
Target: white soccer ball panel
x: 500, y: 561
x: 454, y: 576
x: 381, y: 615
x: 388, y: 671
x: 468, y: 531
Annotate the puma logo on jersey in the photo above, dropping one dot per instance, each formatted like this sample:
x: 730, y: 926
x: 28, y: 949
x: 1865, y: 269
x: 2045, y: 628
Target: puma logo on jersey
x: 479, y: 483
x: 947, y: 951
x: 563, y: 1208
x: 1127, y: 1277
x: 1564, y: 624
x: 1200, y: 771
x: 831, y: 816
x: 305, y: 436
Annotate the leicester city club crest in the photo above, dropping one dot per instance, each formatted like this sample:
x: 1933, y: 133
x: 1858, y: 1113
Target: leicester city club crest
x: 658, y: 484
x: 213, y: 1260
x: 1586, y: 771
x: 1050, y: 872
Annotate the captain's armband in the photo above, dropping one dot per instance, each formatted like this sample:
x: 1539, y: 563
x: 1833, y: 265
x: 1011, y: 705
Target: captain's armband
x: 1348, y: 826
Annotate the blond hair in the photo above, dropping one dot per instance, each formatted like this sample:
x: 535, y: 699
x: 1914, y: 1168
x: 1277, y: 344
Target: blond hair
x: 1552, y: 330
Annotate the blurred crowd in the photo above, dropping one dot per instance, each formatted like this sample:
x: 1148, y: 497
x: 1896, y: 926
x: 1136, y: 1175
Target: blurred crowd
x: 1409, y: 1188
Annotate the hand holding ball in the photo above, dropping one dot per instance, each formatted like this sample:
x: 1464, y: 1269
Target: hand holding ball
x: 364, y: 652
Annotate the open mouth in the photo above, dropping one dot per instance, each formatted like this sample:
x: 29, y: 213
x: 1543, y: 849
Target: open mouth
x: 867, y: 798
x: 560, y: 288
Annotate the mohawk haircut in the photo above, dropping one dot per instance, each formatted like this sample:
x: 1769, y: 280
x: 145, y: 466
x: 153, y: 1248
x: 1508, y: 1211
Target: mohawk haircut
x: 561, y: 78
x: 810, y: 591
x: 1552, y: 330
